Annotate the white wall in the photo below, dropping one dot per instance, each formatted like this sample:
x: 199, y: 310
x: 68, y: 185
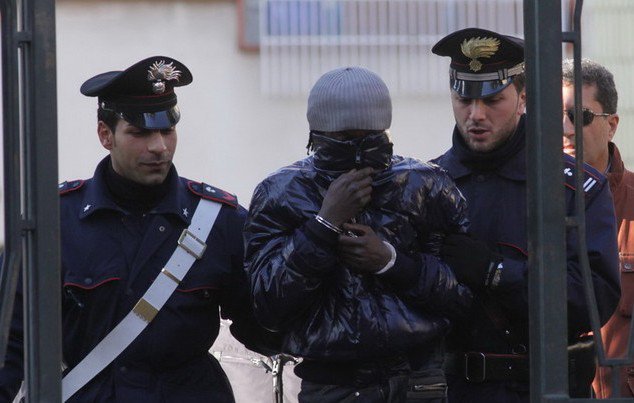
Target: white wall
x: 229, y: 136
x: 607, y: 32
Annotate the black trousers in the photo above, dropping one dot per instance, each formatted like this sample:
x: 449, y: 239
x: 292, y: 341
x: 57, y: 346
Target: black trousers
x: 417, y: 387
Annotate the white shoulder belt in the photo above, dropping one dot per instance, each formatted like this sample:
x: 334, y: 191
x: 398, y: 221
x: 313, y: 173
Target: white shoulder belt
x: 191, y: 246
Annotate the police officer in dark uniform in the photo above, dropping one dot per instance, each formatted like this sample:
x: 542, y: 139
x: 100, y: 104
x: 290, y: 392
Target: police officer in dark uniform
x: 489, y: 357
x: 144, y: 262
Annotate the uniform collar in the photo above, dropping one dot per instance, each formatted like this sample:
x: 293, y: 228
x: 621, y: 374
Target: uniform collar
x: 513, y: 169
x: 98, y: 197
x: 509, y: 161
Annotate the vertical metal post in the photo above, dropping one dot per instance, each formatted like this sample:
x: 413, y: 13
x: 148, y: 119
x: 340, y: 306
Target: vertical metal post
x: 12, y: 188
x: 546, y: 208
x: 31, y: 131
x: 42, y: 272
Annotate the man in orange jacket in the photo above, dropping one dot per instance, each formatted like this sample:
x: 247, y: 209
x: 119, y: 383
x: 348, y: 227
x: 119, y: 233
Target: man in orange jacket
x: 600, y: 121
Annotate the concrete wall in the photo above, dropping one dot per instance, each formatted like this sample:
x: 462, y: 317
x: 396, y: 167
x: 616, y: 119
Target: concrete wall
x: 229, y: 135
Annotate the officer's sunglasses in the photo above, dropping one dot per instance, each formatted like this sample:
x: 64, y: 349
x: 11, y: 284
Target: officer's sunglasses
x: 587, y: 115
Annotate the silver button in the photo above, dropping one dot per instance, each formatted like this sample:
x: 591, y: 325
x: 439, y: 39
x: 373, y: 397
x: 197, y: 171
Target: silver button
x: 162, y: 228
x: 87, y: 280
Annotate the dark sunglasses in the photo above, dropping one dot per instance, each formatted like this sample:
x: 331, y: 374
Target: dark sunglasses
x: 588, y: 115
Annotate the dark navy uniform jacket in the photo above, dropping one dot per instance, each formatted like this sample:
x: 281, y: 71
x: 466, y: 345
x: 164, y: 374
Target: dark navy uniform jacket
x: 496, y: 201
x: 110, y: 258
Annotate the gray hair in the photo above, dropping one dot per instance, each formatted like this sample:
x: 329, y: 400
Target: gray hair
x: 594, y: 73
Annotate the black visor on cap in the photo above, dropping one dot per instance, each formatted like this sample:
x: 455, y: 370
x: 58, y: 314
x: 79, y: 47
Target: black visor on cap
x: 478, y: 89
x: 153, y: 120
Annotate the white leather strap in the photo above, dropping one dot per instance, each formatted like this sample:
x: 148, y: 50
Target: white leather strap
x: 191, y: 246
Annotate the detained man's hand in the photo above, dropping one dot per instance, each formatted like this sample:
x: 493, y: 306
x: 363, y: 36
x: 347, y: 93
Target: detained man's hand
x: 365, y: 253
x: 347, y: 196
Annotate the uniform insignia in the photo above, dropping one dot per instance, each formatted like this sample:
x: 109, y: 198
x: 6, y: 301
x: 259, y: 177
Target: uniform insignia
x: 160, y: 72
x: 69, y: 186
x: 212, y: 193
x: 588, y: 184
x: 475, y: 48
x: 590, y: 180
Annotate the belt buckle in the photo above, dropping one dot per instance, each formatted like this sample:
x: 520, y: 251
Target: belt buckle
x: 192, y: 244
x: 474, y: 362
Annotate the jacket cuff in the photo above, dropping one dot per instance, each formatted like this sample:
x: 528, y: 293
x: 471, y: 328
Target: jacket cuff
x: 404, y: 273
x: 314, y: 251
x: 319, y: 234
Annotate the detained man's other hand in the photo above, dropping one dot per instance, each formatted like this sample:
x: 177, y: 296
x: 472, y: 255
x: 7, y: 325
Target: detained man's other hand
x: 365, y: 253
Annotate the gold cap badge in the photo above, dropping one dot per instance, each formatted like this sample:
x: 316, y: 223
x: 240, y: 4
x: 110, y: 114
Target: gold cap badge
x: 479, y: 47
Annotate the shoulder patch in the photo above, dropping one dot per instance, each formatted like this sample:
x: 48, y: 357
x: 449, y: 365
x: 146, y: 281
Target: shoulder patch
x: 212, y: 193
x: 592, y: 180
x: 69, y: 186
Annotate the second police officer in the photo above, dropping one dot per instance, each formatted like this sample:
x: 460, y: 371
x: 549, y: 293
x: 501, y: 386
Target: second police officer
x: 489, y: 359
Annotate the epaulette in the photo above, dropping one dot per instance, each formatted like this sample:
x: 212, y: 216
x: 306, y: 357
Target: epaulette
x: 212, y: 193
x: 591, y: 180
x: 69, y: 186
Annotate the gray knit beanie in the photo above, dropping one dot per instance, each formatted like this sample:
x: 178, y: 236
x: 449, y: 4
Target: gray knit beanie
x: 349, y: 98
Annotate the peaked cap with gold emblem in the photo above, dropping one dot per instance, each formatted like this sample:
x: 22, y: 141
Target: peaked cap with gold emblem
x: 143, y: 94
x: 483, y: 62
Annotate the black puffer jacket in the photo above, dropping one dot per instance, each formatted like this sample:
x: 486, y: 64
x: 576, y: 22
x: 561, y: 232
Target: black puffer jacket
x: 330, y: 313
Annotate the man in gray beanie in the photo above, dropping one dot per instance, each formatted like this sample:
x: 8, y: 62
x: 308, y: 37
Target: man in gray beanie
x: 342, y: 253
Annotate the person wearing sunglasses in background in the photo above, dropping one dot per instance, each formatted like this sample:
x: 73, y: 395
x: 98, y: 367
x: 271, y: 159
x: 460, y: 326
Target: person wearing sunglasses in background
x: 600, y: 120
x: 488, y: 359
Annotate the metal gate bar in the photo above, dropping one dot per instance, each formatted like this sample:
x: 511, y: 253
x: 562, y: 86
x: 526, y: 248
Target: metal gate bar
x: 32, y: 226
x: 12, y: 188
x: 546, y: 226
x: 547, y: 220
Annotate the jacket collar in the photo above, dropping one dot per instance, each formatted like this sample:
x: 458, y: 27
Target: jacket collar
x: 617, y: 167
